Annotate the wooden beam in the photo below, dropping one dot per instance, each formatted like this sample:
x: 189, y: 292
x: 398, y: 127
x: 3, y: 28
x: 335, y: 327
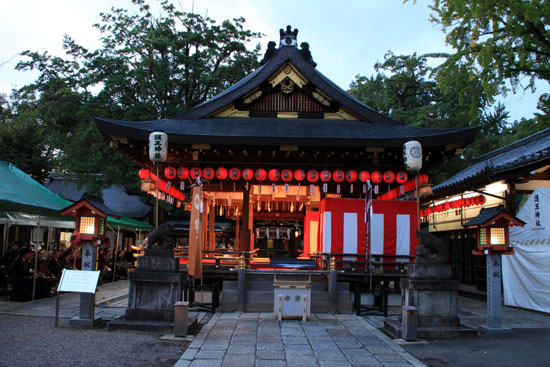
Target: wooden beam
x: 278, y: 216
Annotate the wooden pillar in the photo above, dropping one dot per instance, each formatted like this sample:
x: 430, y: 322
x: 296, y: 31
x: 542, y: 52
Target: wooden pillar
x: 251, y: 225
x: 204, y: 227
x: 211, y: 223
x: 237, y: 232
x: 244, y: 233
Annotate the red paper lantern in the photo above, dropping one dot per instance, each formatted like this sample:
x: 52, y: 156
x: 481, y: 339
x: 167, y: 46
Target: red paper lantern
x: 338, y: 176
x: 195, y: 173
x: 351, y: 176
x: 144, y: 174
x: 389, y: 177
x: 376, y: 177
x: 248, y: 174
x: 234, y: 174
x: 312, y: 176
x: 274, y: 175
x: 299, y: 174
x: 286, y: 175
x: 209, y: 173
x: 183, y: 173
x: 170, y: 173
x: 482, y: 199
x: 221, y: 173
x: 364, y: 176
x: 401, y: 177
x: 325, y: 175
x: 423, y: 178
x: 260, y: 174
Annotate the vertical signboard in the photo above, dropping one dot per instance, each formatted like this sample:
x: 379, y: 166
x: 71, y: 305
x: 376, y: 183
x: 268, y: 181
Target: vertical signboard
x: 195, y: 265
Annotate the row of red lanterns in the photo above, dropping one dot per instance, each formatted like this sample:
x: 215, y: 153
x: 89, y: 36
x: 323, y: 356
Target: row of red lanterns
x: 286, y: 175
x: 455, y: 204
x: 162, y: 185
x: 401, y: 190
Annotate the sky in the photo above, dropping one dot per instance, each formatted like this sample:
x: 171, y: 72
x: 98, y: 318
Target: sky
x: 346, y: 37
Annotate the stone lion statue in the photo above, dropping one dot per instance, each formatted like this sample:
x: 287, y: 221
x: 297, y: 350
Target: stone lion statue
x: 430, y: 249
x: 162, y: 237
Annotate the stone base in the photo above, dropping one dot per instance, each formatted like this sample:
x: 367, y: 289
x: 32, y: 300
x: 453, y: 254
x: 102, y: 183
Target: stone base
x: 85, y: 322
x: 394, y: 328
x: 484, y: 329
x: 151, y: 326
x: 157, y: 263
x: 429, y: 271
x: 136, y: 314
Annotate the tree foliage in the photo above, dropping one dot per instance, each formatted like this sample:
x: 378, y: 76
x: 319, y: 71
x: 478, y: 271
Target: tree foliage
x: 148, y: 67
x: 498, y: 40
x: 406, y: 89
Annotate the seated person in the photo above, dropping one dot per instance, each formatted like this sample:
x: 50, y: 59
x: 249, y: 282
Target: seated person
x: 54, y: 265
x: 23, y: 276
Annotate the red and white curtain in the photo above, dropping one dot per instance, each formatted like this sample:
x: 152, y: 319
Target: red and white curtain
x: 342, y: 227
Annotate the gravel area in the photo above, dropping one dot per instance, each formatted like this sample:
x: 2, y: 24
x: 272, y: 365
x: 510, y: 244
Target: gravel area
x: 35, y: 341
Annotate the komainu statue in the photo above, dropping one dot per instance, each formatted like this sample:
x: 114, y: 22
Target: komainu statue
x: 162, y: 237
x: 430, y: 249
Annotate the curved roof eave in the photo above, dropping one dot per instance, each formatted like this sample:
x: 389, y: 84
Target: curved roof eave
x: 276, y: 131
x: 253, y: 80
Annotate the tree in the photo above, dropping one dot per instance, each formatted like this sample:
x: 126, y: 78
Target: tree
x: 147, y: 68
x: 409, y: 91
x: 153, y: 67
x: 400, y: 89
x: 498, y: 40
x: 24, y: 139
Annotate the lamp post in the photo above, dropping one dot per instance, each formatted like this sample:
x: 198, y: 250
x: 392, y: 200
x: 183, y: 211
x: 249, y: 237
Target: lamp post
x: 412, y: 156
x: 90, y: 233
x: 493, y: 241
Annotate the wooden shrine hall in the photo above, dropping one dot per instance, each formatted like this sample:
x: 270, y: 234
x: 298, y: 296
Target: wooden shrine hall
x: 290, y: 157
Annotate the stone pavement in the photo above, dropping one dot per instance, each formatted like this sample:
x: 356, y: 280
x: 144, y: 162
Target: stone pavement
x: 116, y: 293
x: 259, y: 340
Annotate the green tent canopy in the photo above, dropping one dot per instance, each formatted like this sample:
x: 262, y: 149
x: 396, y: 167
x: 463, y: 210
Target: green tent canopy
x: 24, y: 201
x: 129, y: 224
x: 19, y: 193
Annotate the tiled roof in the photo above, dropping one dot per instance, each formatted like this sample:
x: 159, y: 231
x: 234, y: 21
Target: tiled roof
x: 271, y: 130
x: 493, y: 166
x: 485, y: 215
x: 115, y: 196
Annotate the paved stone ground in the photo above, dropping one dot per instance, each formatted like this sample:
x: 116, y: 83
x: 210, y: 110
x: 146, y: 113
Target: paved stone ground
x: 259, y: 340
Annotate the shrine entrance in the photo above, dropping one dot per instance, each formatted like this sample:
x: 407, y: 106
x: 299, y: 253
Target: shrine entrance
x: 269, y: 219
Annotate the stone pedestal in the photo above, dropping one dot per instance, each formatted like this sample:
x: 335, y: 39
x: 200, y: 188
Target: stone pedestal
x: 154, y: 290
x: 430, y: 289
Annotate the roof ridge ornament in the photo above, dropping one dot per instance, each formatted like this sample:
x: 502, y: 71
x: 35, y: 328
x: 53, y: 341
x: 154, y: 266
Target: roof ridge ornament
x: 288, y: 37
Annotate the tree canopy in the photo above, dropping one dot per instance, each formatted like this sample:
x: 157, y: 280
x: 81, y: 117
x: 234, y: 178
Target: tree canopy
x: 148, y: 67
x: 406, y: 89
x: 500, y: 40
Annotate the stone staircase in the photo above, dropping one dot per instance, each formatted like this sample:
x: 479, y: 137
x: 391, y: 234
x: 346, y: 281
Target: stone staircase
x: 259, y: 294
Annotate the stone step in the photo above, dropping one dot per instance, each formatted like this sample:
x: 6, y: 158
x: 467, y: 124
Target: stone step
x: 315, y: 307
x: 443, y: 332
x: 262, y: 285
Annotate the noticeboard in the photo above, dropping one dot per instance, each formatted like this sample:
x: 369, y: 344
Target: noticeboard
x: 79, y: 281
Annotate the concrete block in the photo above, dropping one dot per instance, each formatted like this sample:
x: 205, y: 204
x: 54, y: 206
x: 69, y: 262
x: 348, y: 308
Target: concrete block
x: 181, y: 325
x: 409, y: 322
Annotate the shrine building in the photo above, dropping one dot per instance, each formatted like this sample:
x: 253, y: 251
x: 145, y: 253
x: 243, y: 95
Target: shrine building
x: 291, y: 158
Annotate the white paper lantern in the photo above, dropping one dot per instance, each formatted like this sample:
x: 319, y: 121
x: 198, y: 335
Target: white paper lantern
x: 412, y: 155
x: 158, y: 146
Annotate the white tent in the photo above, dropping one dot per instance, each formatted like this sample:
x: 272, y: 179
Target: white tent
x: 526, y: 274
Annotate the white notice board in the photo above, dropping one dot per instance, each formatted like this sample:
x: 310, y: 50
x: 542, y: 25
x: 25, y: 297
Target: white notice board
x: 80, y: 281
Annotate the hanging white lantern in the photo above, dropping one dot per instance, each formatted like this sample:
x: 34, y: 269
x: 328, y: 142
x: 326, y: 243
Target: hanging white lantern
x: 412, y: 155
x: 158, y: 146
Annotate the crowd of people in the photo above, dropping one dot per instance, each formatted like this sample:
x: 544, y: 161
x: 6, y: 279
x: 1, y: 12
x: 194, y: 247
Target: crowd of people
x: 21, y: 272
